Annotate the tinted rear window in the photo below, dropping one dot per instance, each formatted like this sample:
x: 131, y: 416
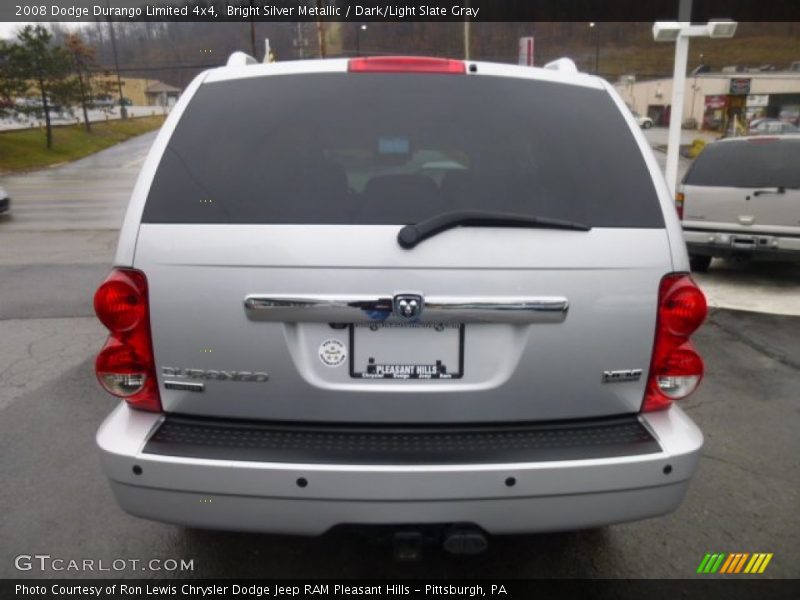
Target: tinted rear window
x: 398, y: 148
x: 751, y: 164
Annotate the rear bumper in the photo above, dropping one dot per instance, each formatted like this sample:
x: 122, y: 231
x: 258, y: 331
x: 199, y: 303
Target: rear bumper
x: 753, y: 244
x: 309, y: 498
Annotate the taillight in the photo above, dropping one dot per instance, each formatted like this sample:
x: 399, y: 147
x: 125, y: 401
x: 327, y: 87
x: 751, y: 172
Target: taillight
x: 675, y: 368
x: 679, y: 199
x: 125, y: 366
x: 405, y: 64
x: 119, y: 301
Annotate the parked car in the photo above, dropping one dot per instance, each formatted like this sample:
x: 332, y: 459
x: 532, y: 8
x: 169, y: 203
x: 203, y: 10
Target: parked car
x: 104, y: 102
x: 770, y: 126
x: 643, y: 122
x: 740, y: 199
x: 5, y: 202
x: 310, y: 326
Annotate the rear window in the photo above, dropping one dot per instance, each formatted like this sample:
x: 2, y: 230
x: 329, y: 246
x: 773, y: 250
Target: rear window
x: 749, y: 164
x: 364, y: 148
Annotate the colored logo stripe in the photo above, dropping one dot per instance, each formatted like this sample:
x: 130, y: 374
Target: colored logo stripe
x: 735, y: 562
x: 711, y: 563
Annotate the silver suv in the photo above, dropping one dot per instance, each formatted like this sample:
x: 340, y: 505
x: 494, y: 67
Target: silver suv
x: 399, y: 291
x: 740, y: 199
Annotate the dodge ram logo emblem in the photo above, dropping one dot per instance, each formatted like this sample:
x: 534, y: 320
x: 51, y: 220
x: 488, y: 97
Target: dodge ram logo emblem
x: 408, y: 306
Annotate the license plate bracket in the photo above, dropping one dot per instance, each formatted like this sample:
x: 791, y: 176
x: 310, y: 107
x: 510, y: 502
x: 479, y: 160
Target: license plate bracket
x: 427, y: 351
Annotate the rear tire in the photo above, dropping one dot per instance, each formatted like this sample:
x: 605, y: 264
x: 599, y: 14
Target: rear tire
x: 647, y: 125
x: 699, y: 262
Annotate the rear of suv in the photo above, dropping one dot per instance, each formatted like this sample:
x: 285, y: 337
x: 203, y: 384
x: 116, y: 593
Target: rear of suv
x: 399, y: 291
x: 740, y: 199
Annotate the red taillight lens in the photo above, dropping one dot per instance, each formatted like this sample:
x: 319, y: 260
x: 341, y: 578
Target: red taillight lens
x: 405, y: 64
x: 119, y: 301
x: 676, y: 368
x: 682, y: 306
x: 125, y: 366
x: 679, y: 200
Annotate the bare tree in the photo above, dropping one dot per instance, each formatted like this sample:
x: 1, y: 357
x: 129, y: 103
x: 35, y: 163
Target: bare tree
x: 89, y: 87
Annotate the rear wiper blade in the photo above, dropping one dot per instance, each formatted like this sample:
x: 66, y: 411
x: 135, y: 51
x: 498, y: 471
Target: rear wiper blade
x: 411, y: 235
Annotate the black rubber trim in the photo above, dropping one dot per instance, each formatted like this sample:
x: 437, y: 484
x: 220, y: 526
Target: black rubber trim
x: 400, y: 445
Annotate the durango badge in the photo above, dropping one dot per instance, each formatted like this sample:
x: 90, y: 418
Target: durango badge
x: 407, y: 306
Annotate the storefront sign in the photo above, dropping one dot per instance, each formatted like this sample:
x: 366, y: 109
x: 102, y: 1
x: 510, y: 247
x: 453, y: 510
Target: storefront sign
x: 716, y: 101
x: 758, y: 100
x: 739, y: 86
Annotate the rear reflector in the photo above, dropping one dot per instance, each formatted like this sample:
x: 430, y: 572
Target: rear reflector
x: 405, y: 64
x: 675, y: 368
x: 125, y: 366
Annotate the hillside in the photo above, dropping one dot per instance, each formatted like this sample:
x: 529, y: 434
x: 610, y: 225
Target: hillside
x: 176, y: 52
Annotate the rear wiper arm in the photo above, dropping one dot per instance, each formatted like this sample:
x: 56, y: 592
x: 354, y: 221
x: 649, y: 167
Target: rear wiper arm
x: 411, y: 235
x: 775, y: 190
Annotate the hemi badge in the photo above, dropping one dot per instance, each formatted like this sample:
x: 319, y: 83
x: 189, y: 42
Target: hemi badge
x: 184, y: 386
x: 623, y: 375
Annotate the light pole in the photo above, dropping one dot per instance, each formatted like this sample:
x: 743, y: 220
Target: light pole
x: 359, y: 29
x: 694, y: 86
x: 596, y: 29
x: 673, y: 31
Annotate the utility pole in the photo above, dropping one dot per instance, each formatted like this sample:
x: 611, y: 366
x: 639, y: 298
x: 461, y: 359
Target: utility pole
x: 123, y: 112
x: 321, y: 32
x: 359, y: 29
x: 596, y: 29
x: 676, y: 107
x: 466, y: 36
x: 252, y: 32
x: 299, y: 40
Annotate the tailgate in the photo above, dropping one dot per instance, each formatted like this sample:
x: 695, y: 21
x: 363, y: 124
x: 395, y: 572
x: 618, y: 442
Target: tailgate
x: 760, y: 209
x: 520, y: 325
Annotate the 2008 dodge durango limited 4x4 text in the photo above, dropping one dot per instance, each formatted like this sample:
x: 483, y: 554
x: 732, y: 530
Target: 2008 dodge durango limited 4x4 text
x: 399, y: 291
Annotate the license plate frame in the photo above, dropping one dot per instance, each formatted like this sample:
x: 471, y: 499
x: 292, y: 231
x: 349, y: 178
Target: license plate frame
x: 424, y: 371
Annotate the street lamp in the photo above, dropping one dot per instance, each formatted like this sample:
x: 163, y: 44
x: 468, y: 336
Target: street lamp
x: 673, y: 31
x: 594, y: 26
x: 359, y: 29
x: 694, y: 85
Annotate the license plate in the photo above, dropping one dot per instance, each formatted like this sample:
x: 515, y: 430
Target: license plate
x: 743, y: 241
x: 406, y: 350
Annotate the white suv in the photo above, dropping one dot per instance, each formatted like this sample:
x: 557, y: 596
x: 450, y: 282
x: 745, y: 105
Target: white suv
x: 399, y: 291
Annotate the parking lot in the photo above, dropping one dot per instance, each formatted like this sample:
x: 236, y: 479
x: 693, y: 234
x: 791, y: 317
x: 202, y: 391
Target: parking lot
x: 57, y: 246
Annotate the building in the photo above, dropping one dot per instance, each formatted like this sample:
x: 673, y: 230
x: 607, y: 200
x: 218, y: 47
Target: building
x: 161, y: 94
x: 145, y: 92
x: 713, y: 100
